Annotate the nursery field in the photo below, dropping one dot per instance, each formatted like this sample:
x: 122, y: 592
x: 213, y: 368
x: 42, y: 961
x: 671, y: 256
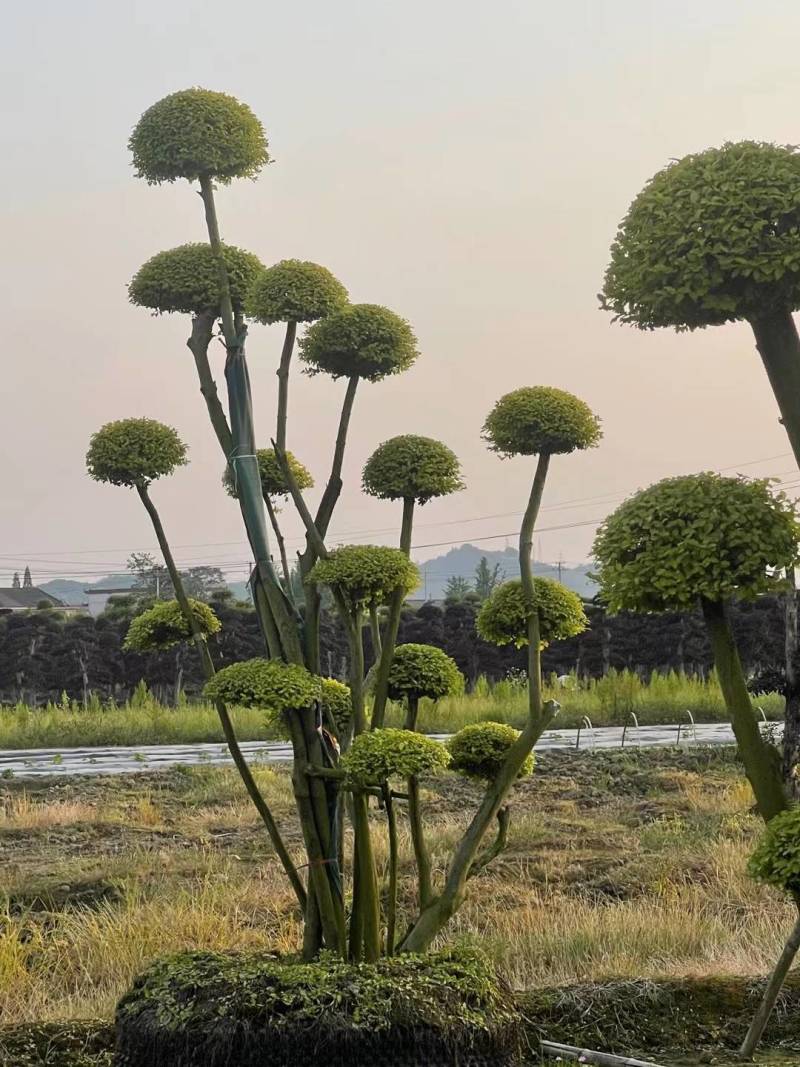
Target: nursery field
x: 625, y: 873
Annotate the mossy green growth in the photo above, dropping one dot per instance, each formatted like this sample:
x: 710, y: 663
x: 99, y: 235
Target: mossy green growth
x: 164, y: 625
x: 336, y: 702
x: 540, y: 420
x: 366, y: 575
x: 776, y: 858
x: 134, y: 452
x: 411, y: 467
x: 215, y: 1009
x: 503, y: 617
x: 88, y: 1043
x: 185, y: 279
x: 265, y: 683
x: 378, y: 755
x: 197, y: 133
x: 363, y: 340
x: 273, y: 482
x: 295, y: 290
x: 423, y: 671
x: 696, y: 536
x: 480, y: 749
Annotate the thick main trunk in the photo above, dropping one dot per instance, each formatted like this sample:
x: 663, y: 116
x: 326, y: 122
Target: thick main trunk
x: 778, y: 345
x: 791, y: 730
x: 392, y: 626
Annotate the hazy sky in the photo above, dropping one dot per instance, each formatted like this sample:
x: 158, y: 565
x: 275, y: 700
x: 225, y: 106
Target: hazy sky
x: 464, y: 163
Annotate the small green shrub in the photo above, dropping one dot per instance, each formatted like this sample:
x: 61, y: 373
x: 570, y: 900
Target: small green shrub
x: 480, y: 750
x: 419, y: 671
x: 273, y: 482
x: 366, y: 575
x: 185, y: 279
x: 134, y: 452
x: 295, y: 291
x: 379, y: 755
x: 265, y: 683
x: 198, y: 133
x: 540, y: 420
x: 362, y: 339
x: 502, y: 618
x: 411, y: 467
x: 164, y: 625
x: 776, y: 859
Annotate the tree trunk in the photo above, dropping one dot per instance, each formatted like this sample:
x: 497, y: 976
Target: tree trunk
x: 774, y: 985
x: 779, y: 347
x: 791, y: 729
x: 392, y: 625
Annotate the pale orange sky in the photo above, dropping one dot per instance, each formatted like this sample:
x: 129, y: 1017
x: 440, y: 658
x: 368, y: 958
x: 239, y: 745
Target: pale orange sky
x: 464, y: 164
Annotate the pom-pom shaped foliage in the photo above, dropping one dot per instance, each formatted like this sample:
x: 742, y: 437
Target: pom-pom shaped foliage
x: 134, y: 452
x: 410, y: 467
x: 295, y: 291
x: 540, y: 420
x: 776, y: 859
x: 362, y: 339
x: 165, y: 625
x: 480, y: 750
x: 697, y: 536
x: 185, y: 279
x: 336, y: 703
x: 423, y: 671
x: 503, y: 618
x: 265, y: 683
x: 273, y: 482
x: 711, y: 238
x: 198, y: 133
x: 379, y: 755
x: 366, y: 575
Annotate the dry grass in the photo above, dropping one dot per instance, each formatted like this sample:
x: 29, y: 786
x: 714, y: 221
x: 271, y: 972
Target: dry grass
x: 21, y: 812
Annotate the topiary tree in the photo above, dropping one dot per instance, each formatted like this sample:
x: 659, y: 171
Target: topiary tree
x: 503, y: 617
x: 481, y: 749
x: 415, y: 470
x: 164, y: 625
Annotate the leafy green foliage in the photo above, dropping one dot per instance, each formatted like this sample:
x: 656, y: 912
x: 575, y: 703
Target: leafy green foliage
x: 776, y: 858
x: 712, y: 238
x: 362, y: 339
x: 336, y: 701
x: 164, y: 625
x: 197, y: 133
x: 480, y: 750
x: 423, y: 671
x: 410, y: 467
x: 265, y: 683
x: 295, y: 291
x: 503, y: 617
x: 538, y: 420
x: 366, y: 575
x: 134, y: 452
x: 273, y: 482
x: 378, y: 755
x: 185, y: 279
x: 701, y: 535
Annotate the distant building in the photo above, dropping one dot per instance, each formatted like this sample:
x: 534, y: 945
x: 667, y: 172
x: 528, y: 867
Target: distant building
x: 27, y: 598
x: 98, y: 598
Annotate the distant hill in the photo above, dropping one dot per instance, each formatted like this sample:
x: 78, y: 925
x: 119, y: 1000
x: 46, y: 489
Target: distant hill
x: 73, y: 592
x: 462, y: 561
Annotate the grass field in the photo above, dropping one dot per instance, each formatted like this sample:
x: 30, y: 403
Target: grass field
x: 143, y: 721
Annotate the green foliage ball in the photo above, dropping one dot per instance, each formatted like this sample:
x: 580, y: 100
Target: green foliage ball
x: 134, y: 452
x: 336, y: 701
x: 378, y: 755
x: 164, y: 625
x: 273, y: 482
x: 265, y: 683
x: 776, y: 858
x: 411, y: 467
x: 185, y: 279
x: 366, y: 575
x: 423, y: 671
x: 198, y: 133
x: 697, y: 536
x: 538, y: 420
x: 361, y: 339
x: 710, y: 238
x: 295, y: 291
x: 480, y: 750
x: 502, y: 618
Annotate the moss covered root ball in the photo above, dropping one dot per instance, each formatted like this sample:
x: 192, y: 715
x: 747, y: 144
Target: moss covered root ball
x: 366, y: 575
x: 197, y: 133
x: 410, y: 467
x: 419, y: 671
x: 502, y: 619
x: 480, y: 750
x: 185, y: 279
x: 164, y: 625
x: 539, y: 420
x: 711, y: 238
x: 362, y: 340
x: 273, y: 483
x: 265, y: 683
x: 698, y: 536
x: 295, y: 291
x: 134, y: 452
